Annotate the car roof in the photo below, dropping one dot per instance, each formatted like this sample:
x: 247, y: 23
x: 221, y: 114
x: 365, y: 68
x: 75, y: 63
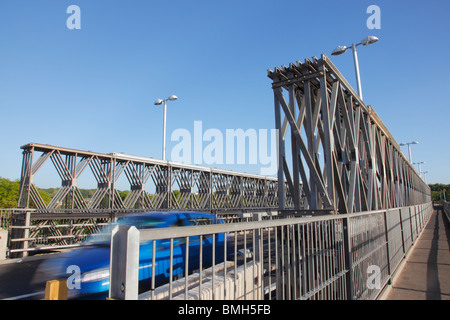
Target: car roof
x: 162, y: 214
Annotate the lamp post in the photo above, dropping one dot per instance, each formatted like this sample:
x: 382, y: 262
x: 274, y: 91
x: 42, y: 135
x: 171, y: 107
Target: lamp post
x: 159, y: 102
x: 409, y: 147
x: 341, y: 49
x: 418, y: 166
x: 425, y: 176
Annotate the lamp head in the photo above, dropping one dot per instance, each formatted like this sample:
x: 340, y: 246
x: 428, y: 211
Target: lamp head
x: 158, y: 102
x: 173, y: 97
x: 369, y: 40
x: 339, y: 50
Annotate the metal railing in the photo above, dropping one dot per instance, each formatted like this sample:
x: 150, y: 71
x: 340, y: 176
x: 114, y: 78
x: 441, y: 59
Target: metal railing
x: 333, y: 257
x: 31, y: 230
x: 6, y: 216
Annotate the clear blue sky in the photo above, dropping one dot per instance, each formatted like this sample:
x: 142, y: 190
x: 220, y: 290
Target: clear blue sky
x: 94, y: 88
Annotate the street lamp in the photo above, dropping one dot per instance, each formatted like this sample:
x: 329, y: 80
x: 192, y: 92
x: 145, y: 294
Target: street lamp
x: 159, y: 102
x: 409, y: 147
x: 341, y: 49
x: 418, y: 166
x: 425, y: 176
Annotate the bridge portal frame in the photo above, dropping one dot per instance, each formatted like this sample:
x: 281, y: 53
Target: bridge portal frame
x: 345, y: 157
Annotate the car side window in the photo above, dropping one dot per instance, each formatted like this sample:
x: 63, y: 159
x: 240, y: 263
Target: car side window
x: 198, y: 221
x: 179, y: 223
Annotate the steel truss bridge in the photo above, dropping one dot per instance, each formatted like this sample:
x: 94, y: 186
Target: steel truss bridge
x: 199, y: 188
x: 338, y: 165
x: 344, y: 159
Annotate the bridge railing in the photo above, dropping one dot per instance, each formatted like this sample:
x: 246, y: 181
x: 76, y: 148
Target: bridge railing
x: 6, y: 217
x: 36, y: 230
x: 333, y: 257
x: 31, y: 230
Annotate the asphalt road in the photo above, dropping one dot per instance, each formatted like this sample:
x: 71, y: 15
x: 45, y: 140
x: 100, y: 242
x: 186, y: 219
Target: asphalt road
x: 19, y: 278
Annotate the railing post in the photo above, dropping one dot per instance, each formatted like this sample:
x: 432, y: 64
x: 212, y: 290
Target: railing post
x: 402, y: 232
x: 3, y: 243
x: 124, y: 267
x: 257, y: 216
x: 348, y: 257
x: 258, y: 253
x: 386, y: 230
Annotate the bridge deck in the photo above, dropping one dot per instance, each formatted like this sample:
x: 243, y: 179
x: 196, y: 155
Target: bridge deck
x: 426, y: 273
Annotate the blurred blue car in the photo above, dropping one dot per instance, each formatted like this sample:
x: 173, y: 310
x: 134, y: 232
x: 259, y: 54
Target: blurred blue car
x: 91, y: 261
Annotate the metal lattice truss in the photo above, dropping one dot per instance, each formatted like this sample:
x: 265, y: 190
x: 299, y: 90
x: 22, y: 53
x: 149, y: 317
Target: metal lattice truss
x: 154, y: 184
x: 341, y: 151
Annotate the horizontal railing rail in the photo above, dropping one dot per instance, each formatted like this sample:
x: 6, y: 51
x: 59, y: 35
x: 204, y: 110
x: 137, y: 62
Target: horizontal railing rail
x: 347, y: 256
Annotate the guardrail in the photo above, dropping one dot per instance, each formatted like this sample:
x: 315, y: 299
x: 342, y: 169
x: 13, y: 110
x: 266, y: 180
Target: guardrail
x: 33, y: 230
x: 348, y: 256
x: 6, y: 216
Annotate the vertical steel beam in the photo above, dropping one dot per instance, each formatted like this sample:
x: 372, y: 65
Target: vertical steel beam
x: 295, y: 152
x: 328, y: 137
x: 311, y: 137
x: 280, y: 148
x: 26, y: 179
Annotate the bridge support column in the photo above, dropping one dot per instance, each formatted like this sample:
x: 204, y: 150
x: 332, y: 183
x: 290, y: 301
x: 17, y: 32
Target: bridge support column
x: 22, y: 222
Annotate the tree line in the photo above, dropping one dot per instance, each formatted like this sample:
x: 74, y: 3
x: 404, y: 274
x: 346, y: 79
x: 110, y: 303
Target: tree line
x: 437, y: 191
x: 9, y: 193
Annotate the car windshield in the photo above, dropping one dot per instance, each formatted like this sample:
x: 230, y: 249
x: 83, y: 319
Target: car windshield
x: 140, y: 222
x: 145, y: 222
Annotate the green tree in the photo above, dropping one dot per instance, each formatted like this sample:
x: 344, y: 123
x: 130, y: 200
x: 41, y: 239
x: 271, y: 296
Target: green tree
x: 45, y: 196
x: 9, y: 193
x: 437, y: 189
x: 123, y: 194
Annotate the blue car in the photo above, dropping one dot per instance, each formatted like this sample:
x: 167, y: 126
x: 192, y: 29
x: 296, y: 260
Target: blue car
x: 87, y: 267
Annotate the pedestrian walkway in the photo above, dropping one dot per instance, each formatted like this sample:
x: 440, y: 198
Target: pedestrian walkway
x: 426, y: 273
